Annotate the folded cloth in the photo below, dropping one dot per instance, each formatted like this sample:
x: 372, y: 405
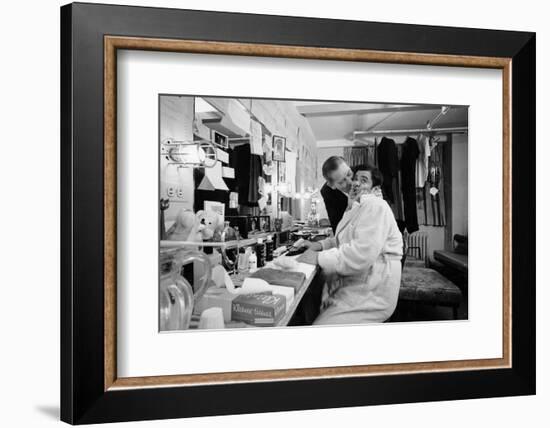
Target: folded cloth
x: 280, y: 277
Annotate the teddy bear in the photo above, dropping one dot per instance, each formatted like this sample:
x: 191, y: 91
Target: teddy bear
x: 185, y: 228
x: 210, y: 225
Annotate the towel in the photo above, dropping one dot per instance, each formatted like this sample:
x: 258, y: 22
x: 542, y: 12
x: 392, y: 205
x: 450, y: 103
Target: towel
x: 280, y: 277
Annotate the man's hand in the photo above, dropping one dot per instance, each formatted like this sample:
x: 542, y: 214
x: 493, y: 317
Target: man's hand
x: 313, y: 246
x: 377, y: 191
x: 309, y: 257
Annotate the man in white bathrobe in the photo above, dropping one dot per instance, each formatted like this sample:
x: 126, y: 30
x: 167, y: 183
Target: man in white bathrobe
x: 362, y: 263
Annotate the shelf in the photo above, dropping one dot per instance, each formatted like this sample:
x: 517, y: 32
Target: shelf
x: 168, y: 245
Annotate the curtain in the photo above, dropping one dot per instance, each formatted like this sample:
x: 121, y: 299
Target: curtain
x: 356, y: 156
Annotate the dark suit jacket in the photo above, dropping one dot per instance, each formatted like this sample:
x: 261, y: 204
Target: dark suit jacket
x: 388, y: 164
x: 336, y: 203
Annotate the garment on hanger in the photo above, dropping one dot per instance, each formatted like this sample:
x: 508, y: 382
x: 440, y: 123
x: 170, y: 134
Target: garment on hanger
x: 397, y: 205
x: 376, y: 152
x: 254, y: 180
x: 408, y: 183
x: 388, y: 164
x: 248, y: 168
x: 430, y: 199
x: 422, y: 160
x: 435, y: 186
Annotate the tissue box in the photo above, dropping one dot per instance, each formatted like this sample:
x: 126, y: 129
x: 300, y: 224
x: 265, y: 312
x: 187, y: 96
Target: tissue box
x: 287, y: 292
x: 216, y: 297
x: 258, y: 309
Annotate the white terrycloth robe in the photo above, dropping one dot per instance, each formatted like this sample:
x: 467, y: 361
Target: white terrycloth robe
x: 362, y: 264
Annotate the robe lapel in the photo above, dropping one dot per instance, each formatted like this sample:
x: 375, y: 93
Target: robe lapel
x: 348, y: 216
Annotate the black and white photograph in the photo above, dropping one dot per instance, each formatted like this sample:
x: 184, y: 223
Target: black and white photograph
x: 275, y: 214
x: 364, y: 221
x: 220, y: 139
x: 279, y: 148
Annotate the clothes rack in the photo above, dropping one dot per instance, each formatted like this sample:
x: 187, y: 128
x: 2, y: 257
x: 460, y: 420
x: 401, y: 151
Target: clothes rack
x: 452, y: 130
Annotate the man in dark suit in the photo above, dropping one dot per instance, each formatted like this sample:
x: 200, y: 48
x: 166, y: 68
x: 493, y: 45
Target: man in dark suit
x: 338, y: 176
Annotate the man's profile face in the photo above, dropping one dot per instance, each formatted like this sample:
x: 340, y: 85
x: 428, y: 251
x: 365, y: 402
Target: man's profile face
x: 342, y: 177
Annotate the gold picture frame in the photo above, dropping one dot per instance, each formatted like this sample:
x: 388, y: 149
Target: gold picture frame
x: 114, y: 43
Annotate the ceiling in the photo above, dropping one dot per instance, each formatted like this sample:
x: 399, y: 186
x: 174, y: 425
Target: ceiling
x: 335, y: 123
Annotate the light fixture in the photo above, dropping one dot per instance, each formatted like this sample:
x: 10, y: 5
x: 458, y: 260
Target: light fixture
x: 201, y: 153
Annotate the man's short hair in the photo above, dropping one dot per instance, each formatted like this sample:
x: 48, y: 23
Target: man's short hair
x: 375, y: 174
x: 331, y: 164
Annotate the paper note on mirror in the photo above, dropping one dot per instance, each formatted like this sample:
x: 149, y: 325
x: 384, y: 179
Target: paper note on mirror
x: 213, y: 178
x: 256, y: 138
x: 228, y: 172
x: 222, y: 156
x: 262, y: 202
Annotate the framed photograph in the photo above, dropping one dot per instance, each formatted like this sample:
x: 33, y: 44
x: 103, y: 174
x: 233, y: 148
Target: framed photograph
x: 220, y: 140
x: 415, y: 176
x: 279, y: 148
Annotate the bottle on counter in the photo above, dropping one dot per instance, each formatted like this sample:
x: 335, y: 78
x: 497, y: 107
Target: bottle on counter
x: 242, y: 264
x: 228, y: 233
x: 233, y: 203
x: 252, y: 262
x: 260, y: 252
x: 269, y: 245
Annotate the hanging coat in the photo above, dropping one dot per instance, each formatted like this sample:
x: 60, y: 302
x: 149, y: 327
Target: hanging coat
x: 248, y: 168
x: 362, y: 264
x: 409, y: 156
x: 388, y: 164
x: 422, y: 161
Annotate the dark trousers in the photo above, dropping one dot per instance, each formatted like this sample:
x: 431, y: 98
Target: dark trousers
x: 408, y: 183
